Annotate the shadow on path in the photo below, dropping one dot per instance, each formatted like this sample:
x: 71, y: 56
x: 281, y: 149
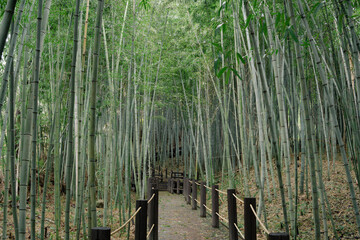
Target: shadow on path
x: 178, y: 222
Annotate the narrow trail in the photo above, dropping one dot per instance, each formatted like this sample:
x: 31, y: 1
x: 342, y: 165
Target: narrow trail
x: 178, y: 222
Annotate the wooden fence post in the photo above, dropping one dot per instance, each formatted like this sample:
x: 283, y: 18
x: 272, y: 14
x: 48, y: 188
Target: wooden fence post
x: 184, y: 187
x: 232, y: 214
x: 154, y: 215
x: 173, y: 182
x: 215, y: 206
x: 249, y: 219
x: 156, y: 222
x: 149, y: 186
x: 194, y: 195
x: 278, y: 236
x: 169, y: 185
x: 178, y: 186
x: 202, y: 200
x: 141, y: 220
x: 188, y: 187
x: 151, y: 207
x: 100, y: 233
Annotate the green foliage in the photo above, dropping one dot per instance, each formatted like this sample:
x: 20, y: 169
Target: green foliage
x: 144, y: 4
x: 2, y: 7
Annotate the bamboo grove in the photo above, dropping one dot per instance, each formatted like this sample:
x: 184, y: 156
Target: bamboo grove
x: 94, y: 94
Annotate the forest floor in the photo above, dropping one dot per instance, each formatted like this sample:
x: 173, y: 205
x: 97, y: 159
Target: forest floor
x: 338, y: 193
x: 173, y: 226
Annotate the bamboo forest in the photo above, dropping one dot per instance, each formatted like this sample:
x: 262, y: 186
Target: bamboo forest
x: 256, y: 99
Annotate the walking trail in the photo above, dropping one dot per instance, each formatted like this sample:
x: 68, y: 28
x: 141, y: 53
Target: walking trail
x: 178, y: 222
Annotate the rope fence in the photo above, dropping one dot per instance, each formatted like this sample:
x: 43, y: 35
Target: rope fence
x: 207, y: 208
x: 240, y: 233
x: 146, y: 215
x: 222, y: 218
x: 126, y: 223
x: 238, y: 199
x: 220, y: 191
x: 249, y: 205
x: 257, y: 217
x: 152, y: 196
x: 152, y: 227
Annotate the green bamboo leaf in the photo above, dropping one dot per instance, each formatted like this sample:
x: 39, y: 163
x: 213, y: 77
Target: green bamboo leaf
x: 248, y: 20
x: 339, y: 22
x: 223, y: 6
x: 236, y: 73
x: 228, y: 54
x: 317, y: 7
x: 240, y: 58
x: 221, y: 71
x: 217, y: 47
x: 263, y: 26
x: 277, y: 20
x: 290, y: 31
x: 227, y: 77
x: 145, y: 4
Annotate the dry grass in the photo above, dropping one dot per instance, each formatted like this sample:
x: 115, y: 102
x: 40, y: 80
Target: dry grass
x: 113, y: 219
x: 338, y: 195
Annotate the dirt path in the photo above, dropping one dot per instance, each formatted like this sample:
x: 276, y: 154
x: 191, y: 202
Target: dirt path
x: 178, y: 222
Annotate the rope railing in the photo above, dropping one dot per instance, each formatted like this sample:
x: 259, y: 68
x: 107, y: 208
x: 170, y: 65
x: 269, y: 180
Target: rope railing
x: 207, y: 208
x: 148, y: 234
x: 117, y: 230
x: 240, y: 233
x: 238, y: 199
x: 219, y: 191
x: 230, y: 221
x: 222, y: 218
x: 152, y: 197
x: 257, y: 217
